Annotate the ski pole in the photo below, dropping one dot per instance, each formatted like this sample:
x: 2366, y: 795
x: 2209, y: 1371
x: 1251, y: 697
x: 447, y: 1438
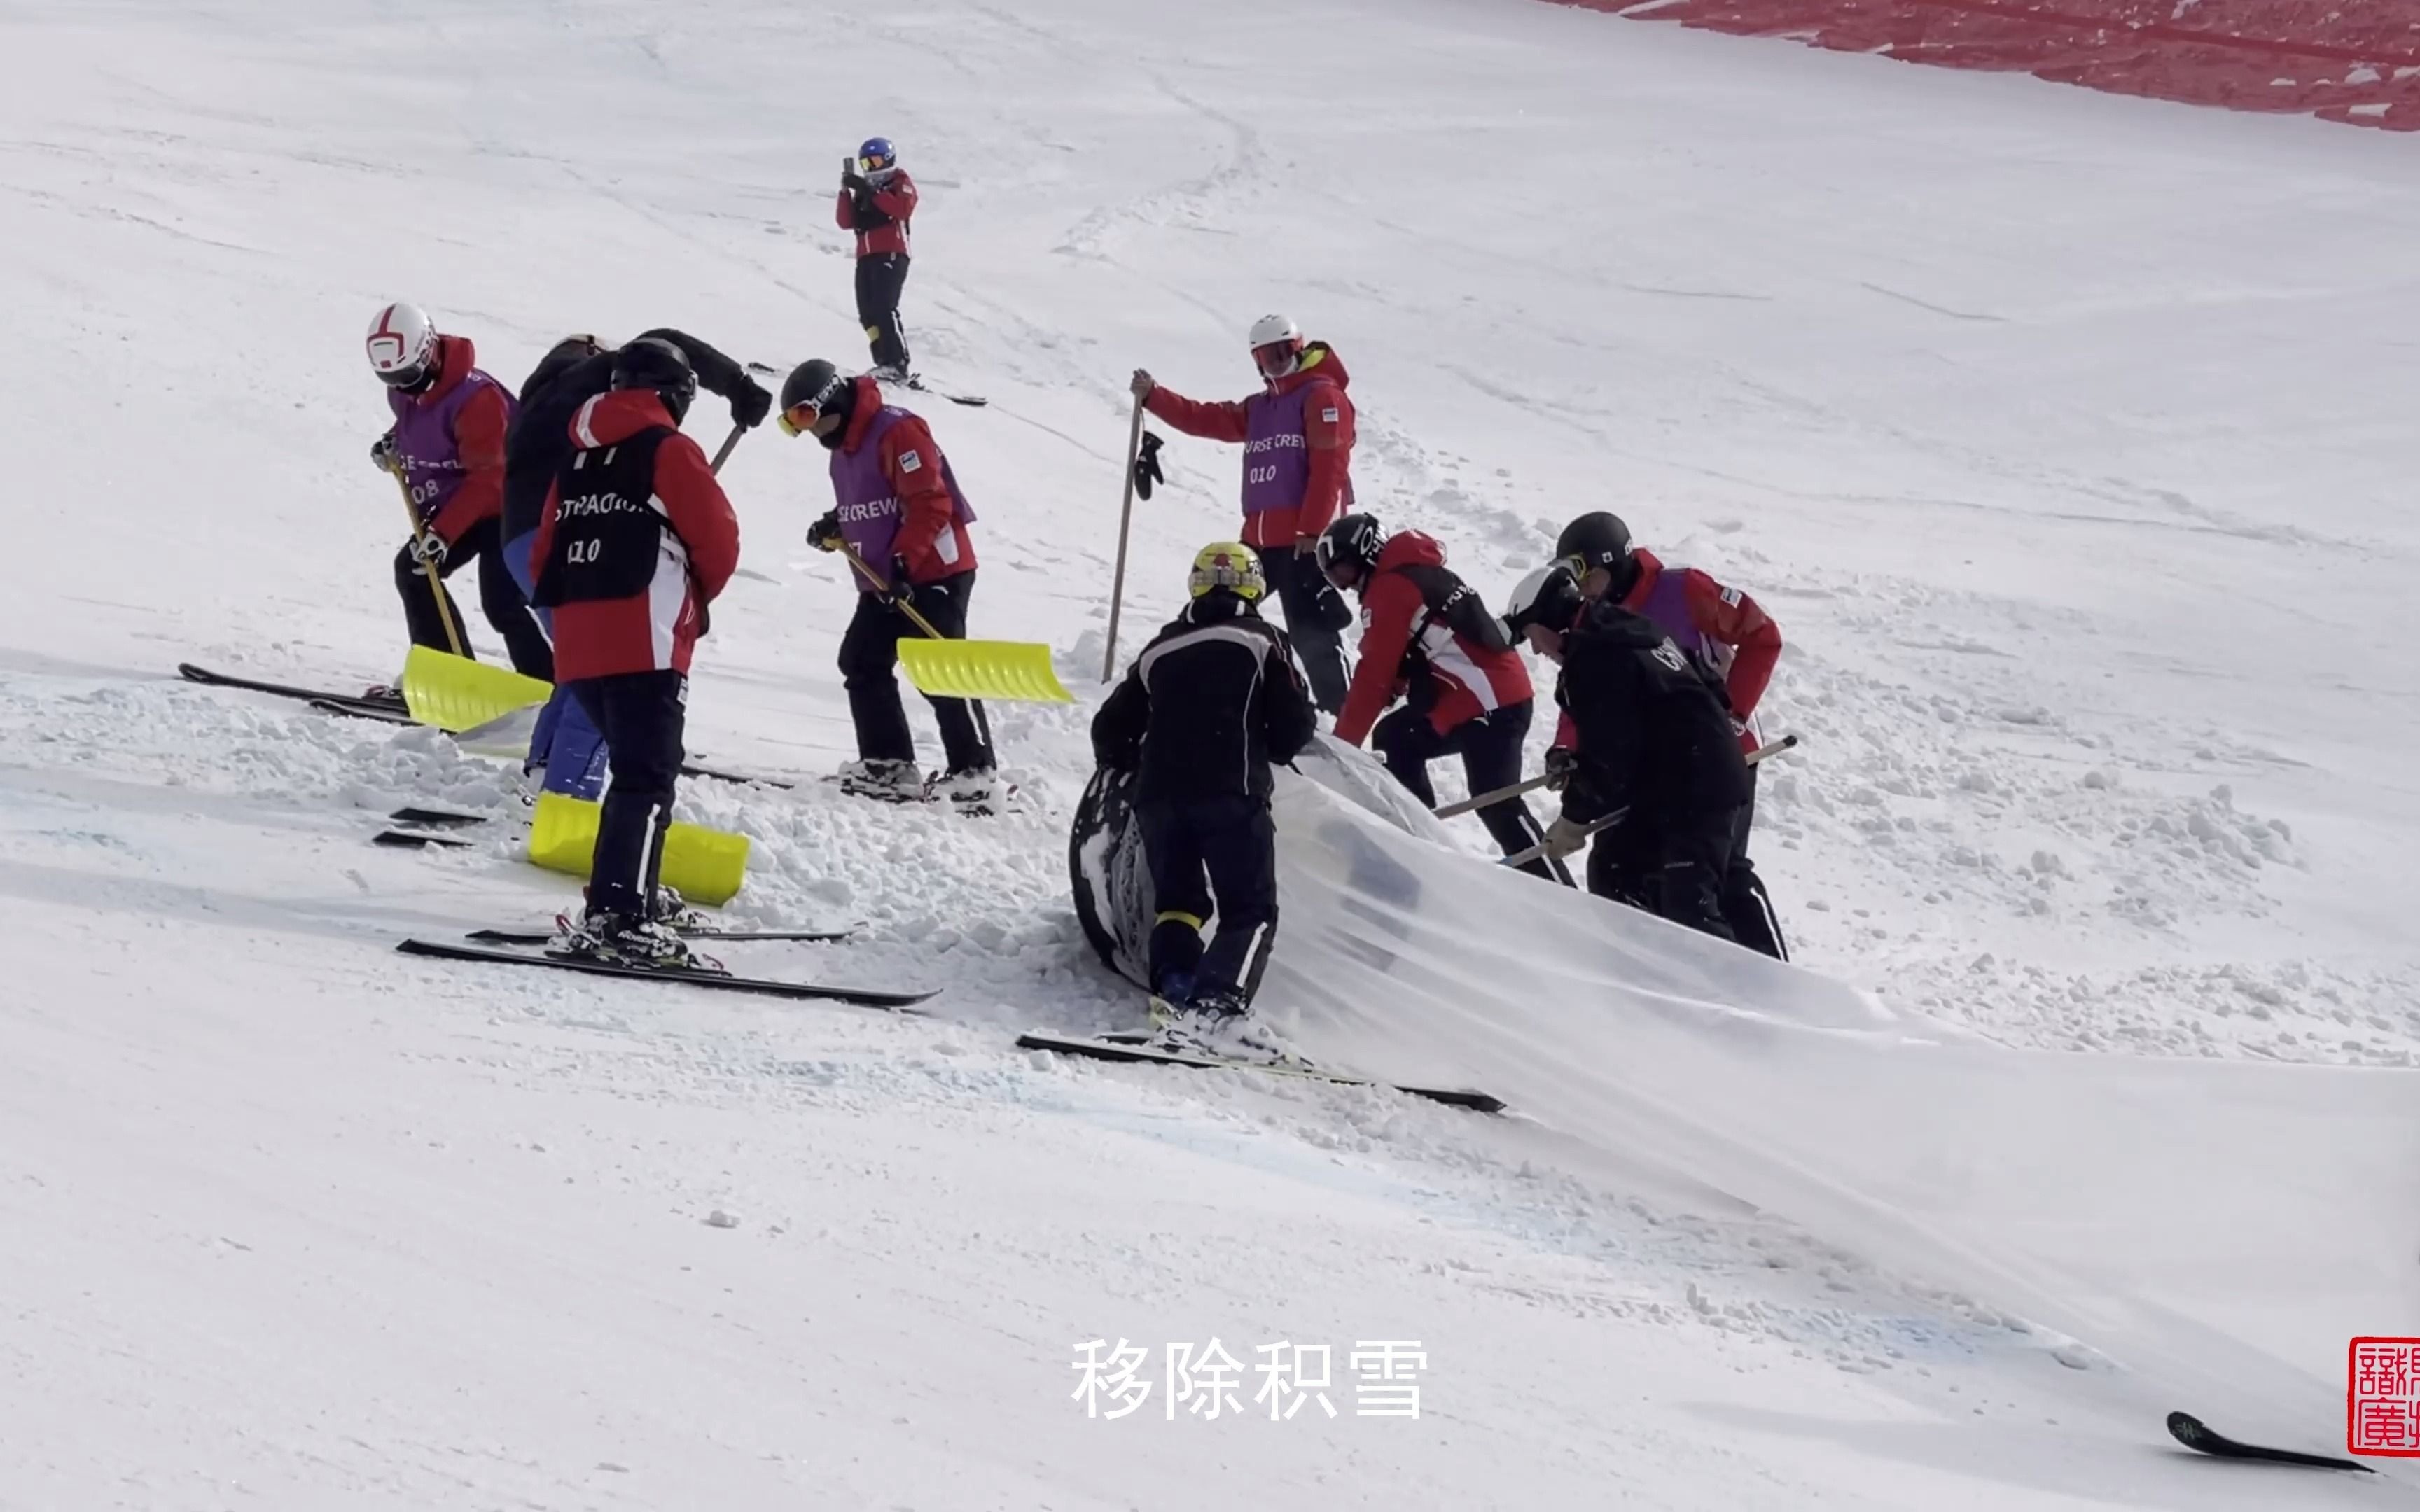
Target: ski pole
x: 1494, y: 796
x: 1784, y: 743
x: 730, y: 444
x: 1530, y: 784
x: 898, y: 601
x: 1126, y: 518
x: 1523, y: 858
x: 427, y: 568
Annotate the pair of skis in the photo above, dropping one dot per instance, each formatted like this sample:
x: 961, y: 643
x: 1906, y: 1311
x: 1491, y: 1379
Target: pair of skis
x: 392, y: 711
x: 897, y: 1002
x: 1157, y: 1050
x: 494, y: 946
x: 913, y: 380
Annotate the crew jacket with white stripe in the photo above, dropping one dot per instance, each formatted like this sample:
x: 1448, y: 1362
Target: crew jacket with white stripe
x: 1211, y: 703
x: 1411, y: 647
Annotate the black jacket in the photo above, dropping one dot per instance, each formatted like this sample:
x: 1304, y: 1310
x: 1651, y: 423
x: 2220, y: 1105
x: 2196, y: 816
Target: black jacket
x: 1654, y: 735
x: 1208, y: 705
x: 539, y: 441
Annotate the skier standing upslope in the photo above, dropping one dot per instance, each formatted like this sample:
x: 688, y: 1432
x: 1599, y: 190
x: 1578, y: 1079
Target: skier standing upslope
x: 1297, y: 440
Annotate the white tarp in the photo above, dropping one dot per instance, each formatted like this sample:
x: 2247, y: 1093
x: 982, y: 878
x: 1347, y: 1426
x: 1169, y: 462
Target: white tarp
x: 2220, y: 1228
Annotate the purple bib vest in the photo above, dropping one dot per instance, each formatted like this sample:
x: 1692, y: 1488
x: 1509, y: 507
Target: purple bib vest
x: 1277, y: 458
x: 424, y: 440
x: 1667, y: 605
x: 867, y: 506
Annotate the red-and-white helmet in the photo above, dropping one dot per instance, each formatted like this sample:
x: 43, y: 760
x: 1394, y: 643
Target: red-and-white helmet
x: 1277, y: 346
x: 402, y: 345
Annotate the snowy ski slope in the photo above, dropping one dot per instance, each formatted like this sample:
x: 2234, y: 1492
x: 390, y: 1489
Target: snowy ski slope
x: 2065, y: 435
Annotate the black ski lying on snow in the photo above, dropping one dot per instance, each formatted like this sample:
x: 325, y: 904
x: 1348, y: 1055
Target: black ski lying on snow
x: 537, y: 936
x: 861, y: 996
x: 2194, y: 1433
x: 418, y: 839
x: 435, y: 818
x: 377, y: 709
x: 1152, y: 1054
x: 335, y: 702
x: 972, y: 401
x: 693, y: 769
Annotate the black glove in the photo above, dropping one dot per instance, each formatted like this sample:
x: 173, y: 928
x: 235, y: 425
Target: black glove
x: 1561, y: 762
x: 750, y: 405
x: 824, y: 534
x: 900, y: 587
x: 1147, y: 466
x: 382, y: 453
x: 427, y: 548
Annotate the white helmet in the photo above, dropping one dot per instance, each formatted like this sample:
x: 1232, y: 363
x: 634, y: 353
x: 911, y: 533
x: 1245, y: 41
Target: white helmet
x: 1276, y: 331
x: 402, y: 344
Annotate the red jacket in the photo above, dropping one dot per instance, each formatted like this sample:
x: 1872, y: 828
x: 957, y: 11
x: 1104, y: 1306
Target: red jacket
x: 1330, y: 442
x: 927, y: 513
x: 895, y: 197
x: 479, y: 433
x: 1732, y: 633
x: 1402, y: 638
x: 655, y: 631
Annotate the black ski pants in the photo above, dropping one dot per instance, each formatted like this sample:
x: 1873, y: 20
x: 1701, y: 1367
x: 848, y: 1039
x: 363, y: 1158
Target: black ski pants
x: 1746, y: 908
x: 1211, y: 856
x: 1490, y: 749
x: 869, y: 659
x: 1671, y: 864
x: 1315, y: 616
x: 427, y: 610
x: 880, y: 280
x: 641, y: 716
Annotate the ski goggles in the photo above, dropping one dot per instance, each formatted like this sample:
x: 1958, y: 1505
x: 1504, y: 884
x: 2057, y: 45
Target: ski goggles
x: 1278, y: 359
x: 870, y: 167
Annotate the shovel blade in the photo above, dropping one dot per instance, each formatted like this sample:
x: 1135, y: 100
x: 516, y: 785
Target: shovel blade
x: 454, y: 693
x: 1010, y: 672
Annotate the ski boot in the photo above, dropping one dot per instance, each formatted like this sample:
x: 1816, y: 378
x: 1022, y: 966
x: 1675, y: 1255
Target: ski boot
x: 891, y: 373
x: 669, y: 909
x: 886, y: 781
x: 626, y: 941
x: 974, y: 791
x: 1220, y: 1024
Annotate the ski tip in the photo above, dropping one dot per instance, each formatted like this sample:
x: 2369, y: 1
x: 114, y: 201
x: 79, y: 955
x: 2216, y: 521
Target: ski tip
x: 2195, y: 1434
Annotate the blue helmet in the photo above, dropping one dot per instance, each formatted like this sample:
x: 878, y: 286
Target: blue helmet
x: 876, y: 154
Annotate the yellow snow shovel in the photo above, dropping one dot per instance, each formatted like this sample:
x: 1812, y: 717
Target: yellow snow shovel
x: 707, y: 866
x: 454, y: 693
x: 1012, y: 672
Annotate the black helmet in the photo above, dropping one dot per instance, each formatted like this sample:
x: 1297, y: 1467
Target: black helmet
x: 1354, y: 538
x: 1595, y: 540
x: 819, y: 389
x: 653, y: 363
x: 1550, y: 596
